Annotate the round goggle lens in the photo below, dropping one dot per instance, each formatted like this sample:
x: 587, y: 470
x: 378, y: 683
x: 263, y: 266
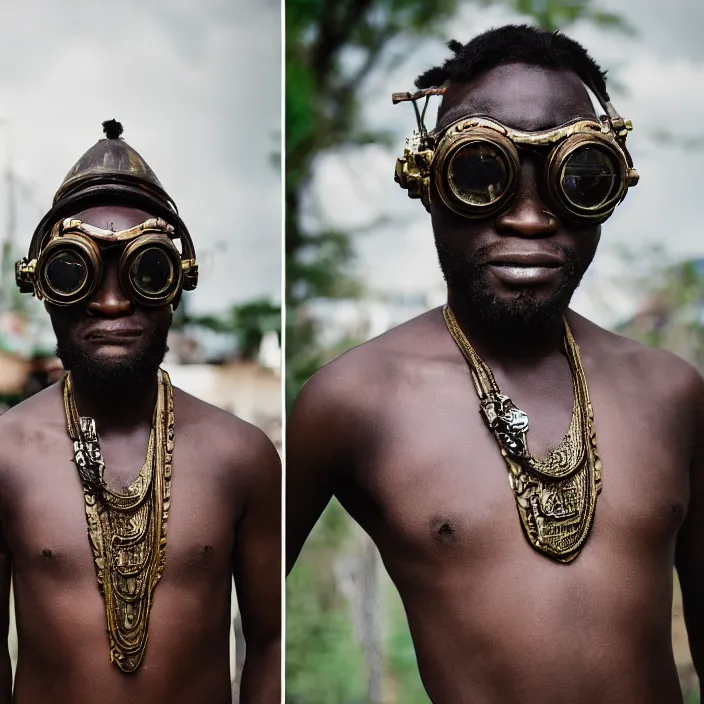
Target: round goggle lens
x: 66, y: 272
x: 478, y: 173
x: 590, y: 177
x: 152, y: 271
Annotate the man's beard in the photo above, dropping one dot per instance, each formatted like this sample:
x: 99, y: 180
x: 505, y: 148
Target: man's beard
x: 108, y: 376
x: 524, y: 315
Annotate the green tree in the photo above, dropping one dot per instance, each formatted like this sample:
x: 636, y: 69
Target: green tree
x: 253, y: 320
x: 672, y: 314
x: 554, y: 15
x: 248, y: 321
x: 322, y: 113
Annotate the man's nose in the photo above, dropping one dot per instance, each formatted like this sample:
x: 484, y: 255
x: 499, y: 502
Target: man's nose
x: 528, y: 216
x: 109, y: 300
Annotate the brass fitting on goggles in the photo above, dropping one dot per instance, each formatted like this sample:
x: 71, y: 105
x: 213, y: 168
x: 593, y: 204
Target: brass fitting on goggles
x: 474, y: 163
x: 69, y: 266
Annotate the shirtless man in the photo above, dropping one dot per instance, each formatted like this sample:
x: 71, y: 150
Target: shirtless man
x: 392, y: 427
x: 224, y: 512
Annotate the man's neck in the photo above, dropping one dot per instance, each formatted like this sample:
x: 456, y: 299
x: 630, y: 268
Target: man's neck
x: 122, y: 406
x: 504, y: 347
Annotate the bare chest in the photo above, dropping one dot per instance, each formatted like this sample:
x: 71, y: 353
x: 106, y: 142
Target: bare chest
x: 45, y: 524
x: 434, y: 488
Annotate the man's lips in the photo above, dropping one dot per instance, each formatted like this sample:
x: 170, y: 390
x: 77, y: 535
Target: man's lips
x: 108, y: 333
x: 526, y: 268
x: 526, y: 259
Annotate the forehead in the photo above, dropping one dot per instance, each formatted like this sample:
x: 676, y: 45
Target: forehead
x: 115, y: 217
x: 519, y: 96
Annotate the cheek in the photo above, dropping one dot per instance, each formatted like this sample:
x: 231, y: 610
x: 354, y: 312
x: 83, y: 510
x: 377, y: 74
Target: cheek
x: 585, y: 243
x: 159, y: 318
x: 62, y: 319
x: 458, y: 234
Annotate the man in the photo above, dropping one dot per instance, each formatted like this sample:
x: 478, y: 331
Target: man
x: 539, y: 573
x: 122, y: 575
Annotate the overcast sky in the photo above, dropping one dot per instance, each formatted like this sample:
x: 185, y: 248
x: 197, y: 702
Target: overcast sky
x: 662, y: 70
x: 197, y: 88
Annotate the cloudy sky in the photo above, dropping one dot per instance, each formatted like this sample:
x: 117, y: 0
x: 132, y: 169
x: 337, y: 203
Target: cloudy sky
x: 662, y: 74
x: 197, y: 88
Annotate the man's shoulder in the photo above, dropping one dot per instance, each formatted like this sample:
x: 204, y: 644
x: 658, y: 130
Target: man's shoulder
x: 667, y: 375
x: 28, y: 429
x: 36, y: 412
x: 235, y: 441
x: 363, y: 376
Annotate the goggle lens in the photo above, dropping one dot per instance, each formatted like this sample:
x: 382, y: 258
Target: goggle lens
x: 479, y: 173
x: 152, y: 271
x: 66, y: 272
x: 590, y: 177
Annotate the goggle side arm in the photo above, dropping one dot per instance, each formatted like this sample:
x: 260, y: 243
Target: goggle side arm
x: 413, y: 168
x: 24, y: 275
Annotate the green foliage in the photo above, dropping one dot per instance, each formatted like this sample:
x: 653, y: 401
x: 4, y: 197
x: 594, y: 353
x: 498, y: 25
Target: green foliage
x: 401, y: 654
x: 673, y: 318
x: 9, y: 400
x: 558, y: 14
x: 323, y: 113
x: 249, y: 321
x: 324, y: 665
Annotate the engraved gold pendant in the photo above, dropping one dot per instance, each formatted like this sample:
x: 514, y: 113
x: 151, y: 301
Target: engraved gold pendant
x: 127, y: 530
x: 556, y: 495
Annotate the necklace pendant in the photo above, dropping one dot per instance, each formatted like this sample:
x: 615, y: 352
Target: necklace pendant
x: 508, y: 422
x: 555, y: 497
x: 88, y: 458
x: 556, y: 516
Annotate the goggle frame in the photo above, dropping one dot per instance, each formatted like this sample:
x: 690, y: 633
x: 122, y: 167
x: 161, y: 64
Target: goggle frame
x: 429, y: 155
x: 85, y: 241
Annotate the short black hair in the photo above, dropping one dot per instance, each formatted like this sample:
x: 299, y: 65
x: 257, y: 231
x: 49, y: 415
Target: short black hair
x: 515, y: 44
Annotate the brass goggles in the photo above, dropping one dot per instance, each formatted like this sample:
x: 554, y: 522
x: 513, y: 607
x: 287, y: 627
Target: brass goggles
x: 69, y: 267
x: 474, y: 164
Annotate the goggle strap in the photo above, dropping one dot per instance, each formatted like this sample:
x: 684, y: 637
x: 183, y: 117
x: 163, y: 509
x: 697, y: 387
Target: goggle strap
x: 618, y: 124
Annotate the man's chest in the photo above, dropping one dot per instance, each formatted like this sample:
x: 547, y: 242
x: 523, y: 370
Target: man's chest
x: 46, y: 526
x: 434, y: 482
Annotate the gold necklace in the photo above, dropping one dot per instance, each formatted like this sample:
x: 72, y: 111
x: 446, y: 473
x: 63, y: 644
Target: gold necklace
x: 127, y: 530
x: 556, y: 495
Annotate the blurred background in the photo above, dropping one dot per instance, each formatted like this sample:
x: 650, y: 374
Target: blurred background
x: 197, y: 87
x: 361, y: 257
